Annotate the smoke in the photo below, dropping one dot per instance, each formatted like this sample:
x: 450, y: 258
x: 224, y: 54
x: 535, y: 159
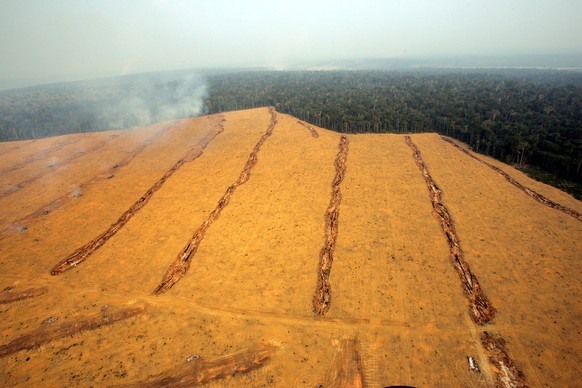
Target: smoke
x: 103, y: 104
x: 153, y: 100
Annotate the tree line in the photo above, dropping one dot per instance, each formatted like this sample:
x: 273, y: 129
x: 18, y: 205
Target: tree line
x: 529, y: 118
x: 519, y: 117
x: 98, y: 105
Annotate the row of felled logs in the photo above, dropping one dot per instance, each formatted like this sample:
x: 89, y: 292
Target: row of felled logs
x: 480, y: 308
x: 508, y: 375
x: 182, y: 263
x: 322, y: 295
x: 22, y: 184
x: 195, y: 372
x: 39, y: 155
x: 533, y: 194
x: 82, y: 253
x: 63, y: 199
x: 310, y: 128
x: 8, y: 296
x: 198, y: 371
x: 50, y: 332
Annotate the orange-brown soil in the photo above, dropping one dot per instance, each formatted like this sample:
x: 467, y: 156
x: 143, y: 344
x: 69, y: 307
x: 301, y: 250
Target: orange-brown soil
x: 480, y: 308
x: 244, y: 311
x: 16, y: 172
x: 179, y: 267
x: 537, y: 196
x: 82, y: 253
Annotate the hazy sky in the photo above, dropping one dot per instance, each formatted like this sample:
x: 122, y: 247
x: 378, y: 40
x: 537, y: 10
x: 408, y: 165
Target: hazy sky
x: 78, y: 38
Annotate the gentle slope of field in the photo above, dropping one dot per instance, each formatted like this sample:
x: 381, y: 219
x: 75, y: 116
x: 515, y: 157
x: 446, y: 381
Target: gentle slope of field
x: 242, y: 314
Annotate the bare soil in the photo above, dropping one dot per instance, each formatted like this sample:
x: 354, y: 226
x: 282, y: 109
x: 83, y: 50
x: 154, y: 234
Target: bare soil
x: 242, y: 314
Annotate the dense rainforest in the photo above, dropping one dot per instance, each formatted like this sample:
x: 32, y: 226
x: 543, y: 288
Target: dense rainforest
x: 97, y: 105
x: 529, y: 118
x: 519, y: 117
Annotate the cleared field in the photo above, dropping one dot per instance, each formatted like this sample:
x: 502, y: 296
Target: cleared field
x: 398, y: 311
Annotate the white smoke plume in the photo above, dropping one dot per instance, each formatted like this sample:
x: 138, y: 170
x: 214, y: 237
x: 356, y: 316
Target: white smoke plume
x: 102, y: 104
x: 155, y: 100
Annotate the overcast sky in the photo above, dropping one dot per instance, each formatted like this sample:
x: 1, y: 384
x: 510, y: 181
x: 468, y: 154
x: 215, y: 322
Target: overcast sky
x: 86, y: 38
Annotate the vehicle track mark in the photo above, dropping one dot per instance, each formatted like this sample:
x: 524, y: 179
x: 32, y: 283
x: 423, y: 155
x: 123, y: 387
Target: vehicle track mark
x: 198, y: 371
x: 270, y: 317
x: 348, y: 370
x: 322, y: 295
x: 311, y: 129
x: 480, y: 308
x: 82, y: 253
x: 533, y: 194
x: 180, y: 266
x: 48, y: 333
x: 7, y: 296
x: 299, y: 320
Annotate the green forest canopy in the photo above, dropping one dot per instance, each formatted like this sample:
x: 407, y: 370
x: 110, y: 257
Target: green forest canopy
x: 519, y: 117
x: 523, y: 117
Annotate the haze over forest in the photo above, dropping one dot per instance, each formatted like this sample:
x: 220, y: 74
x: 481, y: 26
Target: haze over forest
x: 504, y: 77
x: 64, y: 40
x: 179, y: 177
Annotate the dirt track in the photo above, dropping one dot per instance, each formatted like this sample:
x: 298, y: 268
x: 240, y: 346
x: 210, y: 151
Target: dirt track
x: 397, y: 316
x: 347, y: 371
